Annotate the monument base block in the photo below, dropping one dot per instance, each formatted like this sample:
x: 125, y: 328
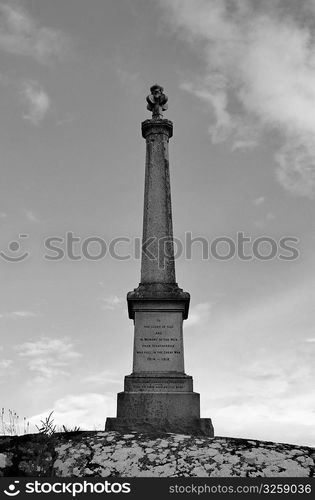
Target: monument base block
x: 196, y: 426
x: 160, y: 405
x: 177, y: 412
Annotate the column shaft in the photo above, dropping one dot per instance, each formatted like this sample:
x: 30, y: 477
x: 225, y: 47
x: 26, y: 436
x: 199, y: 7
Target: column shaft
x: 157, y: 264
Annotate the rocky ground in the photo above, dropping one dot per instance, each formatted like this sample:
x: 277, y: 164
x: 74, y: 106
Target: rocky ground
x: 103, y: 454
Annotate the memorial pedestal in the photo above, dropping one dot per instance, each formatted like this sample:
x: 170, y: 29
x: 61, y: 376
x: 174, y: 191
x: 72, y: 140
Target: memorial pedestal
x: 163, y: 410
x: 158, y: 395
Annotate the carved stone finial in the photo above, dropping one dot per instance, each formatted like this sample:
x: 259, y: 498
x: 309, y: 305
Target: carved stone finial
x: 157, y: 101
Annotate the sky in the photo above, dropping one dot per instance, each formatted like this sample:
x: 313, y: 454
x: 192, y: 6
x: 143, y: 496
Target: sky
x: 240, y: 77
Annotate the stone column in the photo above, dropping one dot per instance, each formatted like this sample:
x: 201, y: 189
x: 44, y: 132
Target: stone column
x: 157, y: 265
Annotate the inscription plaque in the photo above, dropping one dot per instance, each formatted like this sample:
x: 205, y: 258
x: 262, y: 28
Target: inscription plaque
x: 158, y: 343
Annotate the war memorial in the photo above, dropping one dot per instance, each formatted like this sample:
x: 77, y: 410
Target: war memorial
x: 158, y: 395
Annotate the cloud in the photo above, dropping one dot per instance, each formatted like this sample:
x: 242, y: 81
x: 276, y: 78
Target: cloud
x: 31, y: 216
x: 263, y: 385
x: 103, y: 377
x: 199, y: 314
x: 48, y: 357
x: 259, y: 201
x: 87, y: 410
x: 213, y: 91
x: 124, y: 65
x: 20, y: 34
x: 5, y: 365
x: 296, y: 170
x: 287, y: 421
x: 129, y: 79
x: 23, y: 314
x: 258, y: 75
x: 311, y: 340
x: 263, y: 221
x: 19, y: 314
x: 112, y: 302
x: 37, y: 101
x: 270, y: 399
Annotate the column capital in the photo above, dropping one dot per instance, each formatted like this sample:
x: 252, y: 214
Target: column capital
x: 157, y: 126
x: 170, y: 293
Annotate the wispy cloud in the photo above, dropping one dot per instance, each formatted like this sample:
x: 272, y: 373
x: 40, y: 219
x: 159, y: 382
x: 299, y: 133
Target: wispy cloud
x: 24, y: 314
x: 36, y: 100
x: 125, y: 70
x: 19, y: 314
x: 48, y: 357
x: 259, y: 74
x: 199, y: 314
x: 31, y: 216
x: 112, y: 302
x: 264, y: 220
x: 128, y: 78
x: 5, y: 365
x: 20, y: 34
x: 296, y: 171
x: 103, y: 377
x: 259, y: 201
x: 213, y: 91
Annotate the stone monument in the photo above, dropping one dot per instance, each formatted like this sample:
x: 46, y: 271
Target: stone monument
x: 158, y: 395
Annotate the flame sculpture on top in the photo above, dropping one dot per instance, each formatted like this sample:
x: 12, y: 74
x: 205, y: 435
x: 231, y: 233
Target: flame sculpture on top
x: 157, y: 101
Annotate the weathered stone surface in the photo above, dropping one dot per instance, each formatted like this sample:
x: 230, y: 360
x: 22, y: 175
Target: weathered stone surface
x: 103, y: 454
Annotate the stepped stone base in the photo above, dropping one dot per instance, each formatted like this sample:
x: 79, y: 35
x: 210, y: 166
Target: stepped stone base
x: 177, y: 412
x: 195, y: 427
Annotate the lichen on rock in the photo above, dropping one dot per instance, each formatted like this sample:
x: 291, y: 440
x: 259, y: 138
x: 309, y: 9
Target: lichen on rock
x: 114, y: 454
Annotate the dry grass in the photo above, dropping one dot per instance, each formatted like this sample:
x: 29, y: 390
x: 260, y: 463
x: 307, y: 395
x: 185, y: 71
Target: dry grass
x: 12, y: 425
